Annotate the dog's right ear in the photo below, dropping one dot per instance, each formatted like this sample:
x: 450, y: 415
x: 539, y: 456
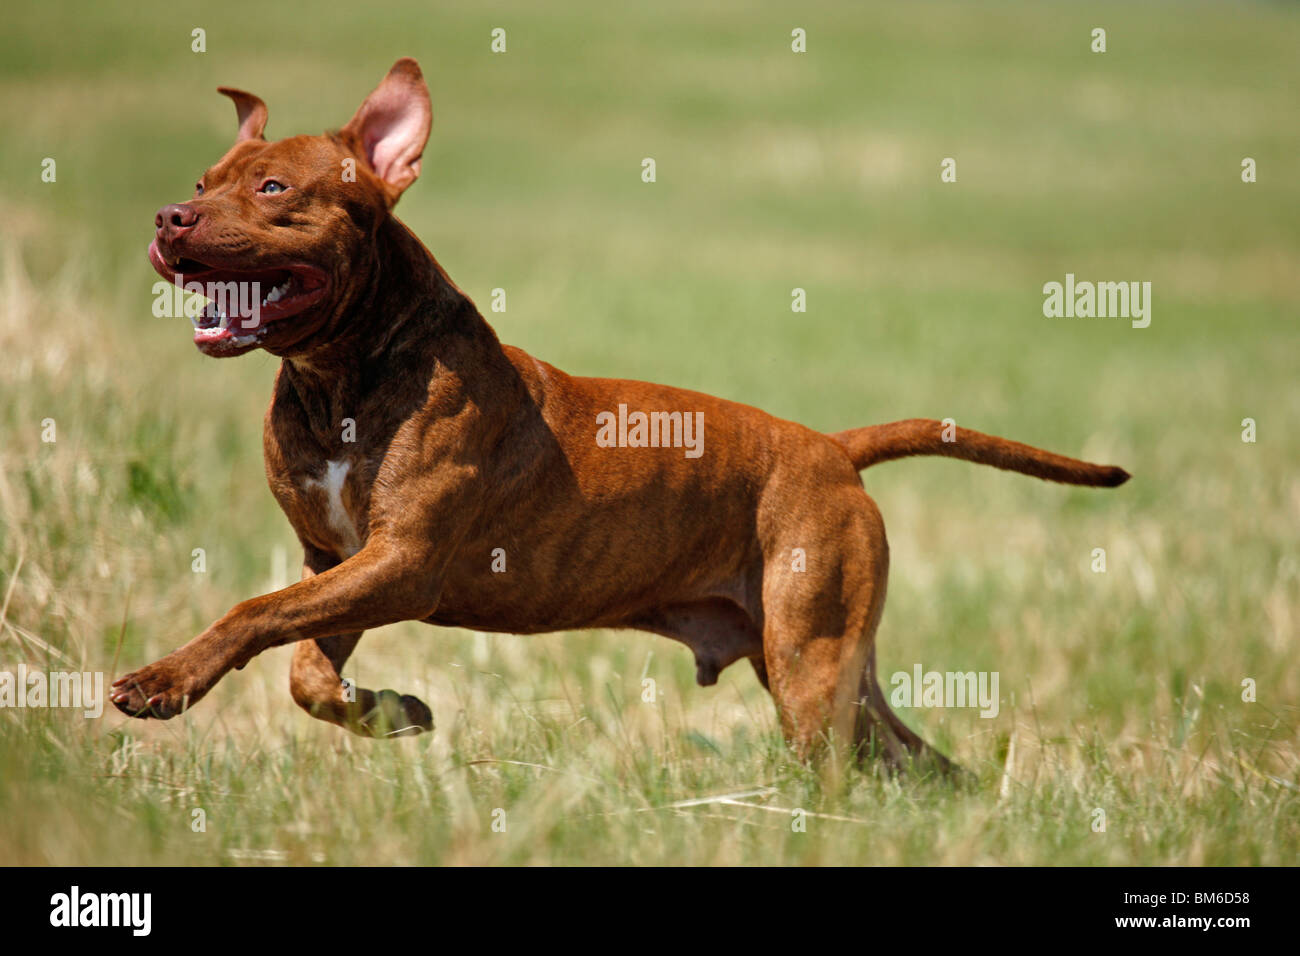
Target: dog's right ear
x: 251, y: 112
x: 392, y: 126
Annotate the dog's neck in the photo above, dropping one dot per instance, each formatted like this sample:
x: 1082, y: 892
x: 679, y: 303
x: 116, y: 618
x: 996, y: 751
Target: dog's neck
x: 401, y: 322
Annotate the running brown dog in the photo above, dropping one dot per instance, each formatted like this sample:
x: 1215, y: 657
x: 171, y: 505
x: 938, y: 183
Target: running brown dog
x: 482, y: 488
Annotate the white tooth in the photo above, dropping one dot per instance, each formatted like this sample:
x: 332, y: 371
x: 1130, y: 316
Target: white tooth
x: 273, y: 295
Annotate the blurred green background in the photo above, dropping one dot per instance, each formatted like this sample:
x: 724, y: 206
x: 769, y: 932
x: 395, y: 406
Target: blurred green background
x: 775, y: 170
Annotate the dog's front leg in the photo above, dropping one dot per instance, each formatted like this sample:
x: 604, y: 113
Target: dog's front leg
x: 317, y: 685
x: 387, y: 581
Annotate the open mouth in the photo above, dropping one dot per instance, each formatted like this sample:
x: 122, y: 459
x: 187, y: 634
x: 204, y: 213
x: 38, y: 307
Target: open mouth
x: 243, y: 305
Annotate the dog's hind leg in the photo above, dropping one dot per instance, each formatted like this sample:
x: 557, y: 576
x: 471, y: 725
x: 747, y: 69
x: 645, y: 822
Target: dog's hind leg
x: 819, y: 634
x: 878, y: 731
x: 823, y: 585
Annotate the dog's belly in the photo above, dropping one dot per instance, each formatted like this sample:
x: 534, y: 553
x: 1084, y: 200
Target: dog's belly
x: 527, y: 616
x: 557, y: 565
x: 524, y: 597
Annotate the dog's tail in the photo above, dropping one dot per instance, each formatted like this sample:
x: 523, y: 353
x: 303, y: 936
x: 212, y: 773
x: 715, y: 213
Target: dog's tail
x: 924, y: 436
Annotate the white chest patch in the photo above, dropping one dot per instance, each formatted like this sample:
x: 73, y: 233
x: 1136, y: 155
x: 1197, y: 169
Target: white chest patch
x: 336, y: 472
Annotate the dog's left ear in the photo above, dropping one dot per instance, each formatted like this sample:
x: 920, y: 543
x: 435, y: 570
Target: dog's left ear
x: 392, y: 126
x: 250, y: 110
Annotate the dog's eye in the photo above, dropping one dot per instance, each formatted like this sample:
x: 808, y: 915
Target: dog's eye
x: 272, y: 187
x: 198, y: 189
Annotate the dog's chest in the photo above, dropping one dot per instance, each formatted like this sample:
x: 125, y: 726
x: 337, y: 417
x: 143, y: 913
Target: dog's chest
x: 332, y: 505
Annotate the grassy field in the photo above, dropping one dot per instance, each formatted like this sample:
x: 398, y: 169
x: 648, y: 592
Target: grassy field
x: 1121, y: 691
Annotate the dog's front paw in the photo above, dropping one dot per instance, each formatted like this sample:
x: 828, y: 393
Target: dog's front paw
x: 159, y: 691
x: 394, y: 716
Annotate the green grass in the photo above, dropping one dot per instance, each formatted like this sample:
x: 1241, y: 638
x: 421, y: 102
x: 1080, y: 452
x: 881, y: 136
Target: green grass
x: 1121, y: 691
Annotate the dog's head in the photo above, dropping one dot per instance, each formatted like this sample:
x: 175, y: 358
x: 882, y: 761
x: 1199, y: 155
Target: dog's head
x: 280, y: 235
